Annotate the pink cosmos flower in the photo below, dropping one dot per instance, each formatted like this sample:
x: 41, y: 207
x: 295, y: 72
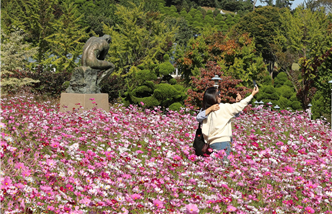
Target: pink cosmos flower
x: 192, y: 209
x: 2, y: 125
x: 311, y: 185
x: 50, y: 162
x: 187, y: 134
x: 19, y: 165
x: 136, y: 196
x: 55, y: 144
x: 309, y: 210
x: 267, y: 173
x: 158, y: 204
x: 69, y: 187
x: 26, y: 173
x: 230, y: 208
x: 279, y: 143
x: 289, y: 169
x: 177, y: 157
x: 142, y: 104
x: 192, y: 157
x: 6, y: 183
x: 50, y: 208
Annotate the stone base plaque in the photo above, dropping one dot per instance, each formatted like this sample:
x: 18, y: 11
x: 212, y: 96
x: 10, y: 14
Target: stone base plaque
x: 68, y: 101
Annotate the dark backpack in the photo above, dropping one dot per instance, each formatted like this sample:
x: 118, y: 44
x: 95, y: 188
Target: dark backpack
x: 201, y: 148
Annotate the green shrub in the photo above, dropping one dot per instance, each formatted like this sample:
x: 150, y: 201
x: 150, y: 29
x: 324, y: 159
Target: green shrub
x: 283, y: 102
x: 148, y: 101
x: 320, y: 106
x: 50, y: 83
x: 285, y: 91
x: 289, y: 83
x: 144, y: 75
x: 175, y: 106
x: 296, y: 105
x: 166, y: 68
x: 280, y: 79
x: 172, y: 81
x: 267, y: 80
x: 142, y: 91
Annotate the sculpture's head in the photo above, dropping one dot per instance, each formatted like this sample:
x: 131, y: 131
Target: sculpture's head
x: 107, y: 38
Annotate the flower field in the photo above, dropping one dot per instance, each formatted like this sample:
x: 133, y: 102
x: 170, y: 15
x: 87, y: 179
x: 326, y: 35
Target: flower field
x: 130, y: 160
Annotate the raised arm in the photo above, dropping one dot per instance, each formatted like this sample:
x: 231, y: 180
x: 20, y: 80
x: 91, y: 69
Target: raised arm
x: 235, y: 108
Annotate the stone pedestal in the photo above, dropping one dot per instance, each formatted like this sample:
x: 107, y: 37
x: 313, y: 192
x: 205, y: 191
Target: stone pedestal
x: 74, y: 100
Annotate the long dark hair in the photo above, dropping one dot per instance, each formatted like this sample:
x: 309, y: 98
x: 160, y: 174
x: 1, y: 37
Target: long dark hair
x: 210, y: 97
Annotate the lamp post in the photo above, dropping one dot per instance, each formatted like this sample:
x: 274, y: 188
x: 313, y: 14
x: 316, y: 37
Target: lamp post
x: 260, y: 102
x: 277, y: 107
x: 331, y: 103
x: 269, y: 104
x: 256, y: 102
x: 309, y: 110
x: 216, y: 79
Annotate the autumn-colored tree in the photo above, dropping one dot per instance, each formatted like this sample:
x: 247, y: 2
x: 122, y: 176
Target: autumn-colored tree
x: 227, y: 86
x: 236, y: 56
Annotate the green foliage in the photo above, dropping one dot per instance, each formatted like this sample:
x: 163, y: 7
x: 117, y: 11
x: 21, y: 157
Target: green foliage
x: 319, y: 104
x: 168, y: 94
x: 267, y: 79
x: 95, y: 14
x: 14, y: 57
x: 139, y: 38
x: 296, y: 105
x: 183, y: 32
x: 66, y: 43
x: 166, y: 67
x: 145, y: 75
x: 280, y: 79
x: 34, y: 17
x: 47, y: 82
x: 235, y: 55
x: 175, y: 106
x: 285, y: 91
x: 268, y: 94
x: 283, y: 102
x: 304, y: 32
x: 262, y: 24
x: 172, y: 81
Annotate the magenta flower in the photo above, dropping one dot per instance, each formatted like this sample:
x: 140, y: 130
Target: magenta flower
x: 311, y: 185
x: 192, y: 157
x: 50, y: 208
x: 177, y: 157
x: 289, y: 169
x: 26, y: 173
x: 6, y: 183
x: 192, y: 209
x: 69, y: 187
x: 309, y: 210
x: 55, y: 145
x: 230, y: 208
x: 19, y: 165
x: 136, y: 196
x: 158, y: 204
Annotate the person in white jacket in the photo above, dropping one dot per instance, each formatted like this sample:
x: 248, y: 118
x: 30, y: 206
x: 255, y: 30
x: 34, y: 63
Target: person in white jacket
x: 217, y: 127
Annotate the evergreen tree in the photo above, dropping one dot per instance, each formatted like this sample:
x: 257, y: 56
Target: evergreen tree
x: 35, y: 18
x: 14, y: 57
x: 66, y: 42
x: 141, y: 38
